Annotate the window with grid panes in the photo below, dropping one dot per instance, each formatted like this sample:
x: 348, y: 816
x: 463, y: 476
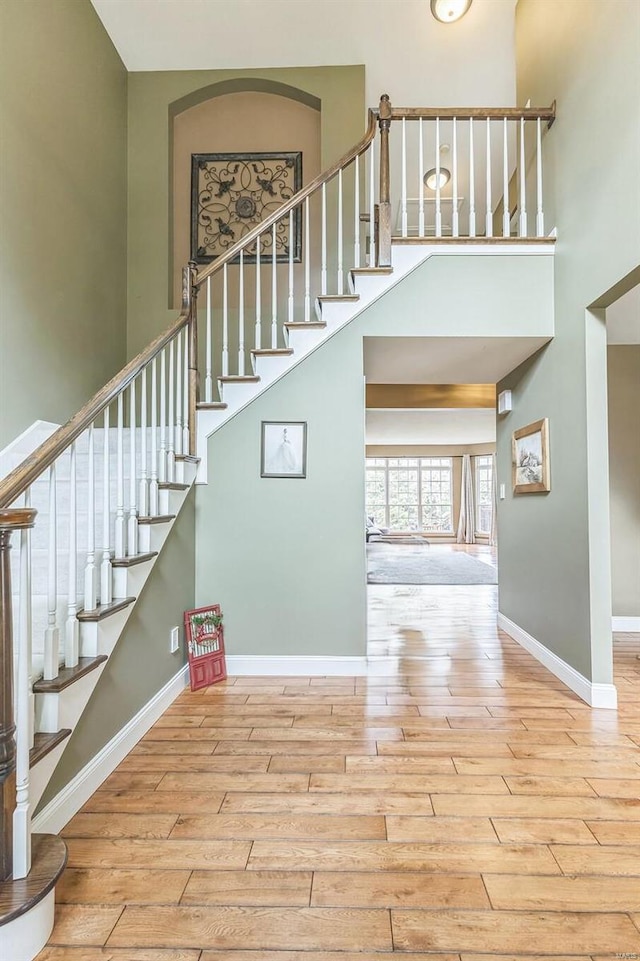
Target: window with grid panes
x: 376, y: 490
x: 484, y: 494
x: 411, y: 493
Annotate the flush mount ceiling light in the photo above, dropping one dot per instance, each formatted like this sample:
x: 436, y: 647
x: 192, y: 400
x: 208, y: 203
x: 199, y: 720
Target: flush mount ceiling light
x: 448, y: 11
x: 430, y: 179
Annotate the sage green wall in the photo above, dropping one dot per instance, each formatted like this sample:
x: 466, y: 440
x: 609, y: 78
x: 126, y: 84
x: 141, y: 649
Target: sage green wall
x: 140, y: 664
x: 585, y: 55
x: 152, y: 96
x: 63, y: 117
x: 624, y: 477
x: 286, y: 558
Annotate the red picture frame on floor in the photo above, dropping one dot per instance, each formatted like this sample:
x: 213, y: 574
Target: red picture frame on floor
x: 205, y: 646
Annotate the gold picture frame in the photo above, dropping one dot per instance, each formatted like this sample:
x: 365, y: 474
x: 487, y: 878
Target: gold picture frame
x: 530, y: 458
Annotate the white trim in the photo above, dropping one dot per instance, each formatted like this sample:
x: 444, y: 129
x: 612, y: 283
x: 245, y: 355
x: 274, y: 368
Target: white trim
x: 596, y: 695
x: 25, y: 937
x: 291, y: 666
x: 627, y: 625
x: 77, y: 792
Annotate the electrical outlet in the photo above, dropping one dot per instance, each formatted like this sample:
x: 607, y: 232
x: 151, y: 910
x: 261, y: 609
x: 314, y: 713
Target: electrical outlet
x: 174, y: 639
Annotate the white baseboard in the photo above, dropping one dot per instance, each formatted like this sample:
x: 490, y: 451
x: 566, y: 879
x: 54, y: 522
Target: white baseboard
x: 596, y: 695
x: 292, y: 666
x: 625, y: 625
x: 77, y: 792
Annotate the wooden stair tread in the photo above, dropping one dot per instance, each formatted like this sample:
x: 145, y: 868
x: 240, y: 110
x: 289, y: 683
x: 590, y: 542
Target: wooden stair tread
x: 67, y: 675
x: 160, y: 519
x: 371, y: 271
x: 338, y: 298
x: 212, y: 405
x: 48, y: 861
x: 105, y: 610
x: 305, y: 324
x: 173, y: 486
x: 133, y: 559
x: 272, y: 351
x: 187, y: 458
x: 239, y: 379
x: 43, y: 743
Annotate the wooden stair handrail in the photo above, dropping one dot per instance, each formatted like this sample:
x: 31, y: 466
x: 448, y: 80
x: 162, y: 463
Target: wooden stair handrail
x: 293, y: 202
x: 475, y: 113
x: 21, y: 478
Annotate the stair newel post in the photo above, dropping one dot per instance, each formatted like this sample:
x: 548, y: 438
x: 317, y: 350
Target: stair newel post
x: 10, y: 520
x: 384, y: 213
x: 192, y: 334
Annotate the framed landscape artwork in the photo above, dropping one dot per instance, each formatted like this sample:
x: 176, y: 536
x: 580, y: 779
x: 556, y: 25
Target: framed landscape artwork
x: 284, y: 449
x: 530, y: 457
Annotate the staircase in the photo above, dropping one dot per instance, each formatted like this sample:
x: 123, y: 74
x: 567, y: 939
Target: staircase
x: 91, y: 507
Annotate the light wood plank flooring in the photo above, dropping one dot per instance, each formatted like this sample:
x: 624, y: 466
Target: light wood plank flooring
x: 457, y: 803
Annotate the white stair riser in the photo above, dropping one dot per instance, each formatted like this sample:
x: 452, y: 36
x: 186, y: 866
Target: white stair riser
x: 269, y: 369
x: 59, y: 710
x: 302, y: 341
x: 236, y: 394
x: 40, y: 774
x: 129, y: 581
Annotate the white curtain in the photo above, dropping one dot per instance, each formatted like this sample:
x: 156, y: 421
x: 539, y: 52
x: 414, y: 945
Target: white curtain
x: 466, y: 523
x: 493, y: 539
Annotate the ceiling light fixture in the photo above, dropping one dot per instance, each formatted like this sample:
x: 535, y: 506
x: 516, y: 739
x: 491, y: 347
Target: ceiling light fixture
x: 430, y: 179
x: 448, y: 11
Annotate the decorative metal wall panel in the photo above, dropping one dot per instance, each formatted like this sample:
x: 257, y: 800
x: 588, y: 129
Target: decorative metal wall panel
x: 232, y: 193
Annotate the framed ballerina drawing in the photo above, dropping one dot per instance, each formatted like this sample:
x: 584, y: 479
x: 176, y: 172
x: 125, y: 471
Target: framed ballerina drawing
x: 284, y: 449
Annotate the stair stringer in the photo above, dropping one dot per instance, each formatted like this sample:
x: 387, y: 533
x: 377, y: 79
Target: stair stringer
x: 96, y: 638
x: 406, y: 258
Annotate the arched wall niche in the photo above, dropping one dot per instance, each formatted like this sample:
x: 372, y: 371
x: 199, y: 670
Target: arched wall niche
x: 239, y: 115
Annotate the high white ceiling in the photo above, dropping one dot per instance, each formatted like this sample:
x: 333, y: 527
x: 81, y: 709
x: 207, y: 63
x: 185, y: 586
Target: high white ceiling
x: 406, y: 52
x: 444, y: 360
x: 623, y: 319
x: 433, y: 427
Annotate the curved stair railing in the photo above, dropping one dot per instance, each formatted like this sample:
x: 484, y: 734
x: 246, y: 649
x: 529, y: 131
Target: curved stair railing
x: 477, y: 176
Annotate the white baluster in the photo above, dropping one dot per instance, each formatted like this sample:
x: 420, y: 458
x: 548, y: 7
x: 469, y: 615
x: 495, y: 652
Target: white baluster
x: 372, y: 204
x: 120, y: 530
x: 208, y: 378
x: 291, y: 245
x: 258, y: 337
x: 421, y: 173
x: 153, y: 482
x: 438, y: 185
x: 71, y: 637
x: 540, y: 212
x: 132, y: 527
x: 340, y: 265
x: 24, y: 712
x: 356, y: 214
x: 323, y: 267
x: 171, y: 453
x: 106, y: 594
x: 90, y: 572
x: 162, y: 465
x: 185, y: 395
x: 488, y: 229
x: 274, y: 291
x: 403, y: 196
x: 523, y: 183
x: 179, y: 370
x: 506, y: 230
x: 241, y: 368
x: 52, y: 634
x: 225, y: 322
x: 307, y: 263
x: 455, y: 224
x: 143, y: 495
x: 472, y: 184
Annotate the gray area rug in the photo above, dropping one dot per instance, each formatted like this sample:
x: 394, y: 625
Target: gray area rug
x: 387, y: 564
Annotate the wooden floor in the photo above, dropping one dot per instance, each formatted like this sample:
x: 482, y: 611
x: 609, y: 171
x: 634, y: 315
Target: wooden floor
x: 459, y: 803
